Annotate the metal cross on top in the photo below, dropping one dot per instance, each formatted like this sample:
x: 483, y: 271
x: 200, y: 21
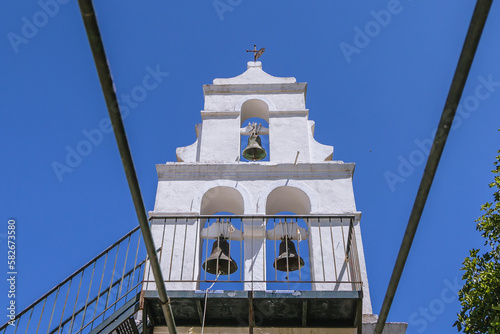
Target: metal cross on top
x: 256, y: 53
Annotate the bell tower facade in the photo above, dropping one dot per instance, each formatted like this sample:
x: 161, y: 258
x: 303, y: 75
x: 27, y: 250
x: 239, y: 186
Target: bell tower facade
x: 255, y: 158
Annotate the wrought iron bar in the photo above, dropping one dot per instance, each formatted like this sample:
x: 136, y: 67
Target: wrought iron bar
x: 41, y: 314
x: 206, y: 255
x: 64, y: 307
x: 17, y: 325
x: 264, y: 269
x: 112, y: 276
x: 241, y: 253
x: 29, y: 320
x: 53, y: 309
x: 321, y: 246
x: 184, y: 250
x: 163, y: 239
x: 135, y: 260
x: 88, y: 294
x: 100, y: 285
x: 228, y: 262
x: 275, y: 255
x: 348, y: 268
x: 123, y: 271
x: 76, y: 302
x: 173, y: 244
x: 333, y: 247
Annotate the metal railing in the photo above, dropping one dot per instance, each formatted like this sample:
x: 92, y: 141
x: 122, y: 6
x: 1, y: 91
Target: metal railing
x: 325, y: 255
x: 90, y: 295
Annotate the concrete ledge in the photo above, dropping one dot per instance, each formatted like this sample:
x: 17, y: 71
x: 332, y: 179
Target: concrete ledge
x: 390, y: 328
x: 244, y: 330
x: 254, y: 170
x: 265, y: 309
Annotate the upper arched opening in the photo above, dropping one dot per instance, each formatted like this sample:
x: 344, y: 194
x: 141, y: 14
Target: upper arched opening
x: 254, y: 108
x: 288, y: 199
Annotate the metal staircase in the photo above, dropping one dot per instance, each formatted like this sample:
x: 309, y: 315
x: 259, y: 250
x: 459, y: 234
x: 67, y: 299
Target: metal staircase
x: 101, y: 297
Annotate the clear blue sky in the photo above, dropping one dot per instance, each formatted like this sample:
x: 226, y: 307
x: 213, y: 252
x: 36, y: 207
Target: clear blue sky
x: 376, y: 96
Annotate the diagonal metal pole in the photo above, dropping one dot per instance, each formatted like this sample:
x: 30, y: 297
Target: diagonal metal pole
x: 101, y: 62
x: 457, y: 86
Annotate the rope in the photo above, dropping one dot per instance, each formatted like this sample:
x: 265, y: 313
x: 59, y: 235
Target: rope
x: 205, y: 307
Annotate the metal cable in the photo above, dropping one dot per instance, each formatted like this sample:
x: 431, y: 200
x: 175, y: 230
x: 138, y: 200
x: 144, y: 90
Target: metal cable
x: 104, y: 73
x: 206, y: 299
x: 457, y: 85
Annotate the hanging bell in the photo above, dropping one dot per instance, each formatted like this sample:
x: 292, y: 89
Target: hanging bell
x: 219, y: 262
x: 254, y: 150
x: 288, y: 259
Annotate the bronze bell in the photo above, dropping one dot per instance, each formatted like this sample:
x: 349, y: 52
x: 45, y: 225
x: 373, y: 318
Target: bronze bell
x: 254, y: 150
x: 295, y: 262
x: 220, y: 254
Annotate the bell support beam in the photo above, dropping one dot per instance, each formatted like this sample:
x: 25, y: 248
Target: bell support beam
x: 457, y: 86
x: 104, y: 73
x: 224, y: 228
x: 247, y: 131
x: 290, y: 229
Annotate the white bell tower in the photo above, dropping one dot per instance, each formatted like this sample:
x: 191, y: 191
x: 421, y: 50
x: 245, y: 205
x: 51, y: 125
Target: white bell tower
x: 297, y: 176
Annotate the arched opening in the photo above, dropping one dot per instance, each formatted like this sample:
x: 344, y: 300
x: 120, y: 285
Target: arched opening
x: 254, y: 116
x: 221, y: 233
x: 254, y: 108
x: 287, y: 258
x: 290, y: 199
x: 222, y: 199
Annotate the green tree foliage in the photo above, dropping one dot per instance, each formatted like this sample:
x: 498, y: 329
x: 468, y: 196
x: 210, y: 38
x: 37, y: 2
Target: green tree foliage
x: 480, y: 295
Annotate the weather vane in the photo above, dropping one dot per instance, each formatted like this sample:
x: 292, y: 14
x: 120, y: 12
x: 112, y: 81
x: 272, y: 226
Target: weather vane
x: 256, y: 53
